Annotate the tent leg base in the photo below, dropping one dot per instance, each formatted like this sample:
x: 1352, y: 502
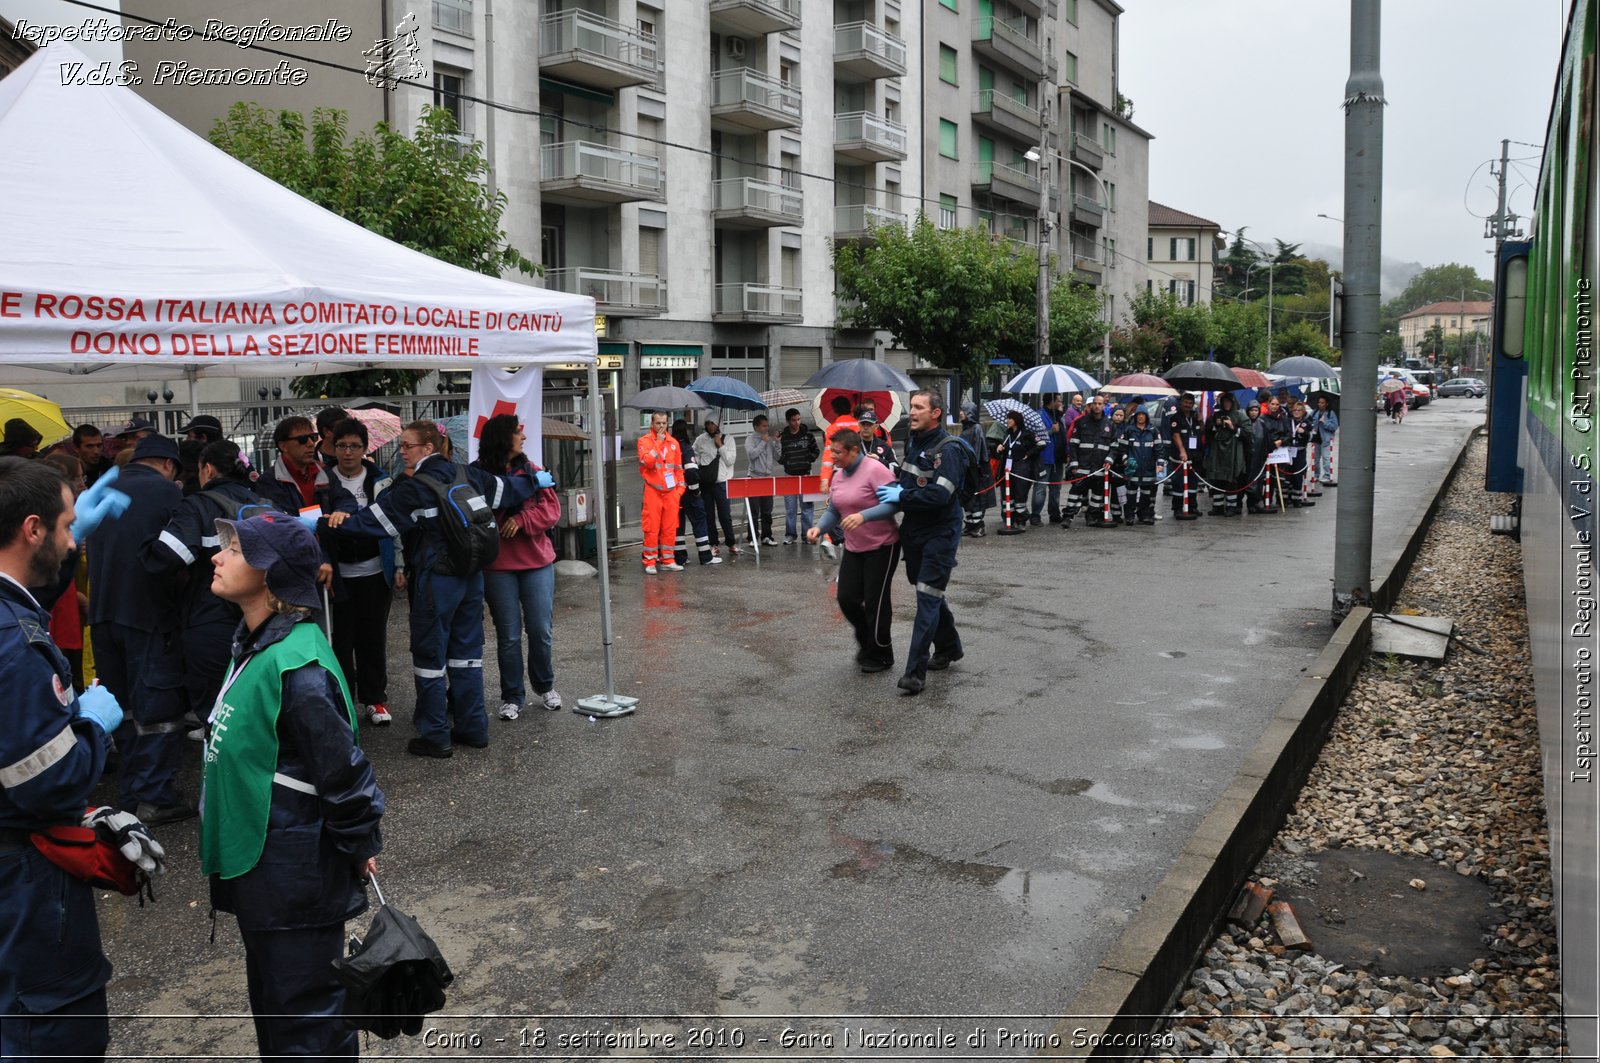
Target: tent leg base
x: 606, y: 705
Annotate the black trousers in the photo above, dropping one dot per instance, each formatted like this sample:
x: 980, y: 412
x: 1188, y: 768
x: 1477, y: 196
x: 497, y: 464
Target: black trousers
x: 1140, y: 501
x: 864, y: 599
x: 360, y: 637
x: 297, y: 1000
x: 762, y: 508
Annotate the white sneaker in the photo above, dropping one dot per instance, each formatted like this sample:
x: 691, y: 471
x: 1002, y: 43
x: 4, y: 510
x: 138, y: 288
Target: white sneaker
x: 379, y: 714
x: 552, y: 701
x: 769, y: 541
x: 649, y: 570
x: 672, y: 566
x: 831, y: 550
x: 789, y: 540
x: 715, y: 560
x: 510, y: 710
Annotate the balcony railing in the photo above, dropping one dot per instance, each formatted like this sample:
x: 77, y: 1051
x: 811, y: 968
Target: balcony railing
x: 454, y: 16
x: 1006, y: 112
x: 1009, y: 40
x: 610, y: 174
x: 1086, y: 208
x: 750, y: 198
x: 613, y: 291
x: 758, y: 302
x: 869, y: 136
x: 768, y: 100
x: 1087, y: 150
x: 859, y: 219
x: 755, y: 18
x: 1087, y: 252
x: 864, y: 49
x: 585, y: 46
x: 990, y: 173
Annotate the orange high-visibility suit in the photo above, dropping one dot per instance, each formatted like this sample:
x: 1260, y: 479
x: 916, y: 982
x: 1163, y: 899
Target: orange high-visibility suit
x: 661, y: 465
x: 844, y: 420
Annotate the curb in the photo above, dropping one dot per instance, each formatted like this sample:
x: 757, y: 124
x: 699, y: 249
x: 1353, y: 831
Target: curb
x: 1115, y: 1013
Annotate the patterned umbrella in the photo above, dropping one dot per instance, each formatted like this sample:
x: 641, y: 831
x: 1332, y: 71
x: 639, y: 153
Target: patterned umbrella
x: 998, y: 408
x: 1138, y: 384
x: 1051, y: 380
x: 382, y: 427
x: 784, y: 397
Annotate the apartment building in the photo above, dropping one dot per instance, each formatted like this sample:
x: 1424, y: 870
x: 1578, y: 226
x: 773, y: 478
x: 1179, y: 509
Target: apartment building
x: 1180, y: 251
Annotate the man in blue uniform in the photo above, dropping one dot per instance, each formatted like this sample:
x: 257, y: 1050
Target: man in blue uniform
x: 133, y: 615
x: 446, y: 611
x: 52, y: 750
x: 928, y: 493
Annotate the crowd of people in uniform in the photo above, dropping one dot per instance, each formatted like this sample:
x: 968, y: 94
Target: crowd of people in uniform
x: 155, y: 588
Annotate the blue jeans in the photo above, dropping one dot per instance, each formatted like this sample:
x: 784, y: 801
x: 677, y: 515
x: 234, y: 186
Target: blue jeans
x: 517, y: 599
x: 791, y: 503
x: 1324, y: 470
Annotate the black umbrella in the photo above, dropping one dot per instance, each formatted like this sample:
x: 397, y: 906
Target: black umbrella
x: 394, y: 976
x: 860, y: 374
x: 1303, y: 365
x: 667, y: 397
x: 1201, y: 376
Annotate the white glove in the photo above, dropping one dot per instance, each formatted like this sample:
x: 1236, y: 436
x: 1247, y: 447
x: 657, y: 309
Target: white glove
x: 127, y: 833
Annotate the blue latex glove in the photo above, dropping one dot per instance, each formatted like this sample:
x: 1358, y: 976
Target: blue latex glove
x: 889, y: 493
x: 309, y: 520
x: 97, y: 503
x: 543, y: 479
x: 100, y: 705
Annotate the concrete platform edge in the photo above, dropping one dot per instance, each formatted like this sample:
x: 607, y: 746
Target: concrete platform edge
x: 1135, y: 984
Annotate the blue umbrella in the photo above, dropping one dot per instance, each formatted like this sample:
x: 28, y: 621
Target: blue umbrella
x: 860, y: 374
x: 1051, y: 380
x: 727, y: 393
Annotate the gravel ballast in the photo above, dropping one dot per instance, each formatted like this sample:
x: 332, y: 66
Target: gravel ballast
x: 1438, y: 764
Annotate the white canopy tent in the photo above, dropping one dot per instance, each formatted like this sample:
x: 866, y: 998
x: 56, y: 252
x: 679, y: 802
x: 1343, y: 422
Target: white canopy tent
x: 131, y: 247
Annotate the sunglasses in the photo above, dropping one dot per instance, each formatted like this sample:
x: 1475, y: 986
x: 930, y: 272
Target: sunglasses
x: 302, y: 440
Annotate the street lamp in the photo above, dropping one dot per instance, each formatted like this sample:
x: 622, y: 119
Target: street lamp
x: 1331, y: 293
x: 1270, y: 264
x: 1040, y: 154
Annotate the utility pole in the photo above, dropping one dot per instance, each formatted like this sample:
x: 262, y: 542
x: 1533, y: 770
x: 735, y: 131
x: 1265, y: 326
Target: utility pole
x: 1499, y: 225
x: 1046, y: 186
x: 1363, y: 246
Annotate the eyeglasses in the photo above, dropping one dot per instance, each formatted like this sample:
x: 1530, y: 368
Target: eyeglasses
x: 411, y: 446
x: 350, y: 447
x: 302, y: 440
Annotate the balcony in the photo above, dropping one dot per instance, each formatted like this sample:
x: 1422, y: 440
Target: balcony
x: 1007, y: 182
x: 453, y: 16
x: 745, y: 100
x: 1015, y: 228
x: 867, y: 137
x: 746, y: 203
x: 586, y: 49
x: 615, y: 293
x: 757, y: 304
x: 1002, y: 112
x: 1088, y: 263
x: 1009, y: 42
x: 1031, y: 8
x: 754, y: 18
x: 1087, y: 151
x: 582, y: 173
x: 865, y: 52
x: 857, y: 221
x: 1087, y: 211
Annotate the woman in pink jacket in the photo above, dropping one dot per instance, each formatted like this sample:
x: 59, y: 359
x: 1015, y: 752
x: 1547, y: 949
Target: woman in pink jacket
x: 520, y: 583
x: 871, y: 547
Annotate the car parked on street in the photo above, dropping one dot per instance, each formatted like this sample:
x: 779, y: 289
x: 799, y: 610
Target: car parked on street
x: 1463, y: 385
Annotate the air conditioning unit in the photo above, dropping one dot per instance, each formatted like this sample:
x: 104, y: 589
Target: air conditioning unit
x: 735, y: 47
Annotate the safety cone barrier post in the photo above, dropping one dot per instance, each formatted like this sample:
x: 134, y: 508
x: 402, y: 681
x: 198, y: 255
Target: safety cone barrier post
x: 1007, y: 527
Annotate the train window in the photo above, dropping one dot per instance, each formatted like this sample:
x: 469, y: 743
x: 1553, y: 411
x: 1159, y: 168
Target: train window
x: 1514, y: 314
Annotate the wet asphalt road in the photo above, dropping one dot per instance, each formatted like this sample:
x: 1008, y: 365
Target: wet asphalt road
x: 774, y: 834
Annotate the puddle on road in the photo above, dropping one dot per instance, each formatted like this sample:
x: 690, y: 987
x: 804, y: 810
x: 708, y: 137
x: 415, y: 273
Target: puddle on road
x: 872, y: 856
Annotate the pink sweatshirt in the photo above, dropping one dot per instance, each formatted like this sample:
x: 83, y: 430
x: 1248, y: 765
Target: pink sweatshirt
x: 853, y: 491
x: 530, y: 547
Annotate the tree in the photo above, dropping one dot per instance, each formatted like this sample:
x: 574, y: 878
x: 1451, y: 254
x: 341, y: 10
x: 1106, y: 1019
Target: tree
x: 1138, y: 349
x: 1391, y: 348
x: 1438, y: 284
x: 1233, y: 267
x: 1076, y: 327
x: 1301, y: 337
x: 1238, y: 334
x: 958, y: 297
x: 426, y: 192
x: 1432, y: 342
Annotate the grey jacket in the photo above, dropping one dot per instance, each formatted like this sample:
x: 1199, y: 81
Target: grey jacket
x: 763, y: 454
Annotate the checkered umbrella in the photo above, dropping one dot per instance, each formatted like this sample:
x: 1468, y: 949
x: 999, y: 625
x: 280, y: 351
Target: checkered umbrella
x: 998, y: 408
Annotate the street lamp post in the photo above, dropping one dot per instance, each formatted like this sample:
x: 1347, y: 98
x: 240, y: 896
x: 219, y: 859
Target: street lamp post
x: 1331, y: 293
x: 1041, y: 155
x: 1270, y: 267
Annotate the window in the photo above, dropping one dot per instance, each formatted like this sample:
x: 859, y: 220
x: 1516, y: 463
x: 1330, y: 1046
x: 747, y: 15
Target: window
x: 1111, y: 195
x: 1108, y: 137
x: 748, y: 364
x: 789, y: 262
x: 650, y: 251
x: 947, y: 138
x: 947, y: 64
x: 1109, y: 246
x: 1150, y: 249
x: 447, y: 90
x: 1071, y: 68
x: 789, y: 170
x: 1069, y: 8
x: 1183, y: 291
x: 951, y: 4
x: 947, y: 212
x: 1182, y: 249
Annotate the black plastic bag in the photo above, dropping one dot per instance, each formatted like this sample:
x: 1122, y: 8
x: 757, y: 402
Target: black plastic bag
x: 394, y: 976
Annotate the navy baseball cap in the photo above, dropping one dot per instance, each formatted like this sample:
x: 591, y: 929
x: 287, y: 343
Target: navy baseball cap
x: 135, y: 424
x: 284, y: 549
x: 156, y: 446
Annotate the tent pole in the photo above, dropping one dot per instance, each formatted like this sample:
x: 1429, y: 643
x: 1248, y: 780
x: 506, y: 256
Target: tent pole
x: 610, y: 703
x: 194, y: 392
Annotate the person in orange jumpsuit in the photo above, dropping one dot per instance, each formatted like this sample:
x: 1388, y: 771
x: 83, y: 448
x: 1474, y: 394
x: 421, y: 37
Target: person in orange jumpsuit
x: 842, y: 418
x: 661, y: 465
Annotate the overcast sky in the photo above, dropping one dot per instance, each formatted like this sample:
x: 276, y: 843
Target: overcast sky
x: 1243, y: 99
